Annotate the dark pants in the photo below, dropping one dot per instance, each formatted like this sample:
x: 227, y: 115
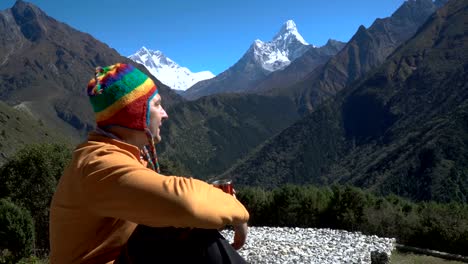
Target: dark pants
x: 177, y: 245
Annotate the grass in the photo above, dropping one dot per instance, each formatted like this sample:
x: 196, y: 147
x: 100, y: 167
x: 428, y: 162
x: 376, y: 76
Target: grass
x: 410, y: 258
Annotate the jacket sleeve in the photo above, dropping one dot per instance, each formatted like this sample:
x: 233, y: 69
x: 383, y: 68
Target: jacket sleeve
x: 116, y: 185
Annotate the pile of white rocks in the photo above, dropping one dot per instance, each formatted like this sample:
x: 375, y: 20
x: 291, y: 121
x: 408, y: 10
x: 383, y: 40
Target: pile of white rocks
x: 309, y: 245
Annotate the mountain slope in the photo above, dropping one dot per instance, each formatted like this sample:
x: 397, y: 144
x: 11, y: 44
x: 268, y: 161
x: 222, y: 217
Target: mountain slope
x: 259, y: 61
x: 167, y: 71
x: 401, y: 130
x: 207, y: 135
x: 18, y: 128
x: 48, y: 64
x: 367, y: 49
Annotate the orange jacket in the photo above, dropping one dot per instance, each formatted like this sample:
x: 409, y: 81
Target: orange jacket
x: 106, y: 190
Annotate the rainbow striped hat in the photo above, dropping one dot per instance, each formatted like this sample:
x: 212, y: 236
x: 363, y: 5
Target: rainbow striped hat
x: 120, y: 95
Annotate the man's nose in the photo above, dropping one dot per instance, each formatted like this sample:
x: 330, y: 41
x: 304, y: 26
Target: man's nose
x: 164, y: 114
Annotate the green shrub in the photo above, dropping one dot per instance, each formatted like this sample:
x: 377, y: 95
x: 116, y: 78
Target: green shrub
x: 16, y: 232
x: 346, y: 208
x: 29, y: 179
x: 258, y: 203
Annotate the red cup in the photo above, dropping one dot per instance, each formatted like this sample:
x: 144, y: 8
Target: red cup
x: 225, y: 185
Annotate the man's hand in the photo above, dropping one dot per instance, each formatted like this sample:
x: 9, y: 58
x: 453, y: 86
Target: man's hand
x: 240, y: 236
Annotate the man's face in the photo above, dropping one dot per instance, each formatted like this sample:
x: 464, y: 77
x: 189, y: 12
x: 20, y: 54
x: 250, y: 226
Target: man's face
x: 157, y: 115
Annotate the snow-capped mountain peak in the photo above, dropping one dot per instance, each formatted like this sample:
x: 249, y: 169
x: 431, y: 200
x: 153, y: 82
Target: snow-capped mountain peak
x: 167, y: 71
x: 286, y: 46
x: 289, y: 30
x: 258, y: 43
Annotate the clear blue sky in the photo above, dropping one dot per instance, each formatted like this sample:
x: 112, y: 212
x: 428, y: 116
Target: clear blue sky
x: 210, y: 34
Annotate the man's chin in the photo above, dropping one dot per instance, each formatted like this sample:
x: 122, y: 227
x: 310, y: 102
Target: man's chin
x: 157, y: 139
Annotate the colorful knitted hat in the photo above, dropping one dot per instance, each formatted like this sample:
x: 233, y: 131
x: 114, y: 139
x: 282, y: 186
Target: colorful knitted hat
x: 120, y: 95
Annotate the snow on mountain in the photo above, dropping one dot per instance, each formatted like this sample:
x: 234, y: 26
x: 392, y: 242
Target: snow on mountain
x: 288, y: 33
x: 258, y: 62
x: 167, y: 71
x: 286, y: 46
